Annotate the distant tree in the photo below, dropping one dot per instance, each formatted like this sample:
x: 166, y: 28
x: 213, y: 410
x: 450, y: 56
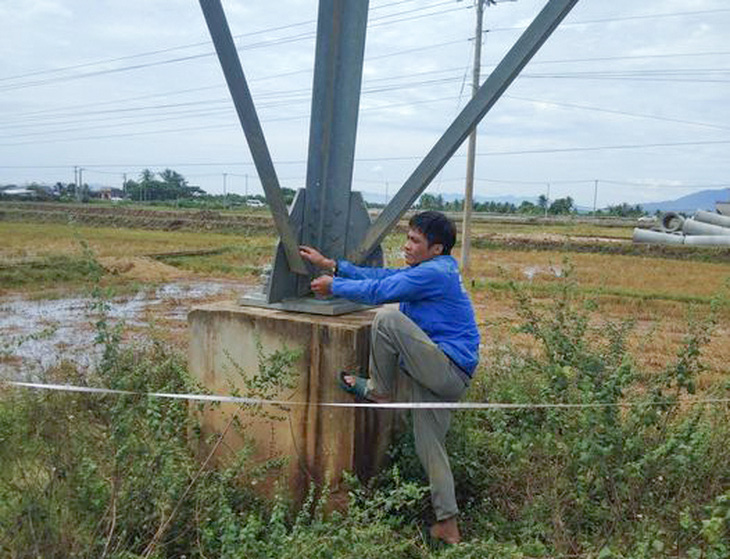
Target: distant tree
x: 561, y: 206
x: 173, y: 177
x: 147, y: 176
x: 495, y: 207
x: 530, y: 208
x: 625, y: 210
x: 289, y: 194
x: 431, y: 202
x: 171, y: 185
x: 454, y: 206
x: 542, y: 202
x: 65, y: 191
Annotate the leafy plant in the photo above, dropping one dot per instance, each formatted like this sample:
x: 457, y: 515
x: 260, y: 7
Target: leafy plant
x: 637, y: 470
x: 581, y: 477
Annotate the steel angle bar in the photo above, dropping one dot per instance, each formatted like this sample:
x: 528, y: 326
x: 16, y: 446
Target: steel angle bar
x: 491, y: 90
x: 341, y: 30
x: 215, y: 18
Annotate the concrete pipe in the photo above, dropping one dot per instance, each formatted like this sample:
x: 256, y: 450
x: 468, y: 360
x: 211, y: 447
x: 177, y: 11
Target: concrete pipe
x: 713, y: 218
x: 694, y: 227
x: 671, y: 222
x: 656, y: 237
x: 708, y: 240
x: 647, y: 222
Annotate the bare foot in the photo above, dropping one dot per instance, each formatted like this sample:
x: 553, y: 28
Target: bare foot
x: 446, y: 530
x: 377, y: 398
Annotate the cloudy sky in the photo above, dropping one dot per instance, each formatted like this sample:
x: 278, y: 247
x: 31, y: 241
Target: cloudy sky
x: 631, y: 94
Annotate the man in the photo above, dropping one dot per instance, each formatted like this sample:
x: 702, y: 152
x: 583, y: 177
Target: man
x: 433, y: 340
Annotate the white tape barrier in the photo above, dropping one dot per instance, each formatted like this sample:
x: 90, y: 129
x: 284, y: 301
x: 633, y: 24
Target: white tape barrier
x: 382, y: 405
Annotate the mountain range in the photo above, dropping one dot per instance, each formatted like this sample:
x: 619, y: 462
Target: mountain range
x: 702, y: 200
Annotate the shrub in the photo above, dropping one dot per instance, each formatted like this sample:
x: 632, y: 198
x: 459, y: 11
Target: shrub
x: 116, y: 477
x: 583, y: 478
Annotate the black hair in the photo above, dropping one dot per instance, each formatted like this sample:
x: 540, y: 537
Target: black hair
x: 436, y: 227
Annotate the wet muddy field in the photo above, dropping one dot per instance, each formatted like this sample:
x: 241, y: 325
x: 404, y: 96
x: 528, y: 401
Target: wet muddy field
x: 38, y: 334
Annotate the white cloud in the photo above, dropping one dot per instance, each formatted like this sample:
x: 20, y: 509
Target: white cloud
x: 45, y: 35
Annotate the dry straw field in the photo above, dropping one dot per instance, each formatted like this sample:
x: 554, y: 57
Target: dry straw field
x: 658, y: 288
x: 570, y: 312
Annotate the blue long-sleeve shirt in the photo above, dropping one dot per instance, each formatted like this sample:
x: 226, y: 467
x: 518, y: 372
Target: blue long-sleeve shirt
x: 430, y: 294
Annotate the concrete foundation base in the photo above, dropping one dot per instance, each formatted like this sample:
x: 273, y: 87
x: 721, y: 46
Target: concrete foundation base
x: 241, y: 349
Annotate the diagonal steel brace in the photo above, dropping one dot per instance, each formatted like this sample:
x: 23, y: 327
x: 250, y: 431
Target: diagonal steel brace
x: 487, y: 95
x: 228, y: 56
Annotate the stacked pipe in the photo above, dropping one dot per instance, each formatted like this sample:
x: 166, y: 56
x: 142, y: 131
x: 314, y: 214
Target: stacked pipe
x: 703, y: 229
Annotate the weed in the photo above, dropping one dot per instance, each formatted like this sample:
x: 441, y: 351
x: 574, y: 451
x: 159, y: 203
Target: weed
x: 105, y: 476
x: 48, y: 271
x: 583, y: 478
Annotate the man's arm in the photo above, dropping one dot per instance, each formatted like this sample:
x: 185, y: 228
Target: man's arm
x: 349, y: 270
x: 343, y: 268
x: 317, y: 258
x: 412, y: 284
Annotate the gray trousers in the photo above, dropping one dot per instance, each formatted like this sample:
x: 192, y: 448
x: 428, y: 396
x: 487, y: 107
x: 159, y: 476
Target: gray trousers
x: 399, y: 347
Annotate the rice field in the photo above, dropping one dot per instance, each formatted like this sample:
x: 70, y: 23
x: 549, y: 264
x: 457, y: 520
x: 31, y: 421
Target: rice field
x: 659, y: 294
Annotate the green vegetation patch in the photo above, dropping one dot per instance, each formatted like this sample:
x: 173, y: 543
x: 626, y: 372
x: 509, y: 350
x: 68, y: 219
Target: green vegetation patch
x: 701, y: 254
x: 49, y: 271
x: 638, y: 472
x: 553, y: 288
x: 242, y: 260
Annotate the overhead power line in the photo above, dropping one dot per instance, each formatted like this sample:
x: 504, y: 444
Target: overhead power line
x: 689, y: 80
x: 374, y: 22
x: 288, y: 97
x: 183, y: 47
x: 382, y: 20
x: 617, y: 112
x: 672, y: 56
x: 84, y: 108
x: 195, y: 112
x: 622, y: 18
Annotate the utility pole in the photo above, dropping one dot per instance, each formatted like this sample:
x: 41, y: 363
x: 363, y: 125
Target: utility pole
x: 124, y: 186
x: 225, y: 195
x: 547, y: 200
x: 471, y: 149
x: 76, y: 183
x: 80, y: 186
x: 472, y: 146
x: 595, y: 196
x: 246, y: 188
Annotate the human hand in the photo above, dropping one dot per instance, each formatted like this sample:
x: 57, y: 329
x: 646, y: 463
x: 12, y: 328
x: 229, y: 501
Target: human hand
x: 316, y: 258
x: 322, y: 285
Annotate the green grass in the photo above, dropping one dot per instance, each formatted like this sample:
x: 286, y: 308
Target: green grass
x: 551, y: 289
x: 568, y: 229
x: 699, y: 254
x: 88, y: 475
x: 48, y: 271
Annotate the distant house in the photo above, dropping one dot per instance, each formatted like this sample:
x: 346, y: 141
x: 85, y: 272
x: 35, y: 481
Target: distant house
x: 32, y: 191
x: 113, y: 194
x: 19, y: 193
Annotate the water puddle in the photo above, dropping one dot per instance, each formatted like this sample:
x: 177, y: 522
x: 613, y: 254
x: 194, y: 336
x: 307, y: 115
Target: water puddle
x: 553, y: 271
x: 35, y: 335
